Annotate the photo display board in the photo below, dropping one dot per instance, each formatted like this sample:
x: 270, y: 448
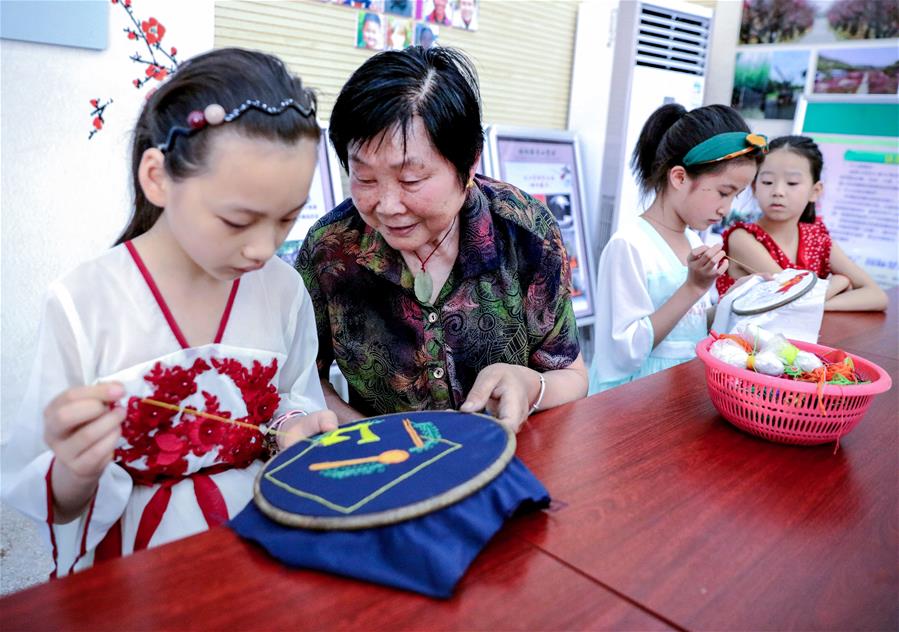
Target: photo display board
x: 546, y: 165
x: 860, y: 204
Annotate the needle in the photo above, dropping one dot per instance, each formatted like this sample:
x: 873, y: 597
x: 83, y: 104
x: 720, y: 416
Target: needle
x: 191, y: 411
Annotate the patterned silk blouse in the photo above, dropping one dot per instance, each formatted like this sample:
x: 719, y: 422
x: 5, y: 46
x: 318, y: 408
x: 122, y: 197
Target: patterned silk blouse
x: 507, y: 299
x: 812, y: 254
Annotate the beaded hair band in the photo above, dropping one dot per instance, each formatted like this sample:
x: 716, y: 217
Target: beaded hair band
x: 214, y: 114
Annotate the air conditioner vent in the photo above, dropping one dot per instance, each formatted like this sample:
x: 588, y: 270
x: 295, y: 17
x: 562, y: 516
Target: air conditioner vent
x: 672, y: 40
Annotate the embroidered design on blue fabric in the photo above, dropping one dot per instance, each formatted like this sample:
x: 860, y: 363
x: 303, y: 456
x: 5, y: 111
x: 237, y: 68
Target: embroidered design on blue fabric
x: 425, y: 438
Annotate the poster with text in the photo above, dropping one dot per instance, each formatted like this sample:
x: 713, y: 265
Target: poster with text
x: 547, y: 170
x: 860, y: 205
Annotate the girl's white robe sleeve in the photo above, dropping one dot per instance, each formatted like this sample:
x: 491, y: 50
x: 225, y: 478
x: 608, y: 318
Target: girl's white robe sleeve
x: 624, y: 334
x: 62, y: 360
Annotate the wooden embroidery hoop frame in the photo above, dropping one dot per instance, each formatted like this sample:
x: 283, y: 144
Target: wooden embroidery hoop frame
x: 392, y: 516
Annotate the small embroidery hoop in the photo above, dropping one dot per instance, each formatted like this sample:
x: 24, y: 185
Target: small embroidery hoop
x: 393, y: 516
x: 807, y: 285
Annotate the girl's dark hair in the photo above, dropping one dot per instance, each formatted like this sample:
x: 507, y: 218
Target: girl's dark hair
x: 438, y: 84
x: 808, y: 149
x: 671, y: 132
x: 228, y: 77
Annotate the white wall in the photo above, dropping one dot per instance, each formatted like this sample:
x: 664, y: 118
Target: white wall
x: 589, y: 104
x: 65, y: 198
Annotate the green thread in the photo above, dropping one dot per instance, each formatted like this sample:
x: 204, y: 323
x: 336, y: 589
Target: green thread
x: 362, y: 469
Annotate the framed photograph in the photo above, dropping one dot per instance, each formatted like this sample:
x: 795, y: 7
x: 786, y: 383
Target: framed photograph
x: 439, y: 12
x: 465, y: 14
x: 325, y: 193
x: 817, y: 21
x: 426, y: 35
x: 768, y: 84
x: 370, y: 29
x: 400, y: 33
x: 404, y: 8
x: 858, y: 71
x: 546, y: 164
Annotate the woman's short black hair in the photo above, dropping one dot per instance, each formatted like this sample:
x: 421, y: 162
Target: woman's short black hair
x: 438, y: 84
x: 670, y: 132
x: 808, y: 149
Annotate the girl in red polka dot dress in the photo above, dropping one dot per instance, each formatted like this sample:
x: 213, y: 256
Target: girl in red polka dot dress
x: 788, y: 235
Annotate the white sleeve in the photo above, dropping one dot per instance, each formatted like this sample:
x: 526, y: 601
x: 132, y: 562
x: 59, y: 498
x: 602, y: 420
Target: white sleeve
x: 298, y: 382
x: 623, y: 335
x: 62, y: 360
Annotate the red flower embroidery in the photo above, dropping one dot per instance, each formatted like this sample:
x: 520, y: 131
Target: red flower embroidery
x: 153, y: 31
x: 98, y: 122
x: 161, y: 438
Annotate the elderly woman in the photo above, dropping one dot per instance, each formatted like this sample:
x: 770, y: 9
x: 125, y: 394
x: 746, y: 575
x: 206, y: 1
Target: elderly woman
x: 435, y: 288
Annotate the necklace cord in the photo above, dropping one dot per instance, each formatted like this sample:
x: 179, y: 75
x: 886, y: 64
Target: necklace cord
x: 439, y: 243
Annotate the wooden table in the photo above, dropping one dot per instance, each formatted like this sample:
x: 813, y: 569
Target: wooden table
x: 664, y: 516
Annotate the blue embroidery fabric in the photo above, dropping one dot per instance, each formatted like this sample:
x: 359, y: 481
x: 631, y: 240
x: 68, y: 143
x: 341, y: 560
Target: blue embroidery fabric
x: 383, y: 464
x: 428, y: 554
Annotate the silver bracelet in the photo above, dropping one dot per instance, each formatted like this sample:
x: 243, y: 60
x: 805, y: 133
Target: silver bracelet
x: 536, y: 405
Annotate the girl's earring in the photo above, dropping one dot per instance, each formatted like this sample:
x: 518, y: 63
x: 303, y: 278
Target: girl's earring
x: 470, y: 183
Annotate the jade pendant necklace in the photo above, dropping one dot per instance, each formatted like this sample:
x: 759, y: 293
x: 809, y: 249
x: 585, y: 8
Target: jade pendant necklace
x: 423, y: 284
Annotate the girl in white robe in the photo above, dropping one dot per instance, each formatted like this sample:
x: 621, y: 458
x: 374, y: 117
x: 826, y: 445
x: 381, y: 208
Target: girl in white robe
x: 166, y: 366
x: 654, y: 286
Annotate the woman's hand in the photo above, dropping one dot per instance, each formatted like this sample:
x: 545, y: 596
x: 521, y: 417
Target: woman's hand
x: 305, y: 426
x: 703, y: 266
x: 82, y: 432
x: 507, y: 391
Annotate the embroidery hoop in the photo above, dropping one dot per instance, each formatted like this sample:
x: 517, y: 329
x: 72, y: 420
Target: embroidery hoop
x: 749, y: 303
x: 392, y: 516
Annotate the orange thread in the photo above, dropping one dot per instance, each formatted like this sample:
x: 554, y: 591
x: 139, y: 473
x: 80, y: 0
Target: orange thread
x: 416, y: 439
x: 823, y: 375
x: 746, y: 346
x: 198, y: 413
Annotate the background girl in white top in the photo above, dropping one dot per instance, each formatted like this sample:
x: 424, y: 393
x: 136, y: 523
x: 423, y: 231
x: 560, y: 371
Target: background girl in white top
x: 654, y: 274
x: 190, y: 309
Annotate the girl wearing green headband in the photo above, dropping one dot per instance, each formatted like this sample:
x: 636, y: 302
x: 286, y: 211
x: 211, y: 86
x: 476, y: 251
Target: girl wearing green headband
x: 654, y: 281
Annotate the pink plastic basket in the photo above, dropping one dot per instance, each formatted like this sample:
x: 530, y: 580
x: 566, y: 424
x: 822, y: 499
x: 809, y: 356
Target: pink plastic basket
x: 787, y: 411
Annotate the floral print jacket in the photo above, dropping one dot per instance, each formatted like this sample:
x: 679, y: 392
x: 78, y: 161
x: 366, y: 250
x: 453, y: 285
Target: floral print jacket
x: 507, y: 300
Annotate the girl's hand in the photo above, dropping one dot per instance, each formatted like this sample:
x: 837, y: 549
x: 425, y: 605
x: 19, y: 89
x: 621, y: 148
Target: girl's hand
x: 306, y: 426
x: 703, y: 266
x: 82, y: 431
x: 506, y: 391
